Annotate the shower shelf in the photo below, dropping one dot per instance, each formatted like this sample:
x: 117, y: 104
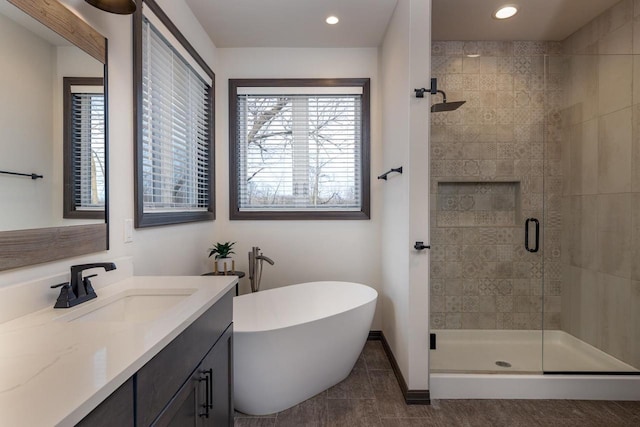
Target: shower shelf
x: 476, y: 203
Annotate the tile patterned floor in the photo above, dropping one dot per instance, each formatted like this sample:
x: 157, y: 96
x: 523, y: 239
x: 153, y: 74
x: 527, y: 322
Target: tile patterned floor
x: 371, y: 397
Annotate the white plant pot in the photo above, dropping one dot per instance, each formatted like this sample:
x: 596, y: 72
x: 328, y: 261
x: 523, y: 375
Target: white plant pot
x: 220, y: 265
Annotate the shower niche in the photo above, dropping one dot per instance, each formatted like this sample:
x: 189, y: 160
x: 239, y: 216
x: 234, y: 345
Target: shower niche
x: 480, y: 274
x: 478, y: 203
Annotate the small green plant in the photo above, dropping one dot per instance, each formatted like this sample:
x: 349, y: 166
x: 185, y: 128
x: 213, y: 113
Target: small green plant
x: 222, y: 250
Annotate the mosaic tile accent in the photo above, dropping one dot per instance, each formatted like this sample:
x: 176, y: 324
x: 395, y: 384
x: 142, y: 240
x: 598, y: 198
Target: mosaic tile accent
x: 492, y: 203
x: 489, y: 162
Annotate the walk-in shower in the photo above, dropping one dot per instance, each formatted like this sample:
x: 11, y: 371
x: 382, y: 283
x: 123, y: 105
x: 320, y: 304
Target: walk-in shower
x: 546, y: 136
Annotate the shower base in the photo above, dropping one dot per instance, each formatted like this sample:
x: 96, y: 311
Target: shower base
x: 477, y: 351
x: 464, y: 366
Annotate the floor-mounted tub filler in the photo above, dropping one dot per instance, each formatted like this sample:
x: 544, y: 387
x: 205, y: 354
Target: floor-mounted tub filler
x: 293, y: 342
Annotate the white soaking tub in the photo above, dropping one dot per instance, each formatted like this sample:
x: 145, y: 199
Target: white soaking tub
x: 293, y: 342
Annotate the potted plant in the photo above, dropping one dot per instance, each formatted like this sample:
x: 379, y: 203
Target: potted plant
x: 223, y: 262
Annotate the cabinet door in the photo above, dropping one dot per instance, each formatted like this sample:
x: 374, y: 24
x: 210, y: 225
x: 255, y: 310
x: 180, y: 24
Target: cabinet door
x: 219, y: 362
x: 160, y: 379
x: 186, y: 407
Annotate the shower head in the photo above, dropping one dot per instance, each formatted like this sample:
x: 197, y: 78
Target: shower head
x: 446, y: 106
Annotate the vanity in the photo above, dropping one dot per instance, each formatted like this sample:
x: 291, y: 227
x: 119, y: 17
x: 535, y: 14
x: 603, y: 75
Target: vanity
x: 147, y: 351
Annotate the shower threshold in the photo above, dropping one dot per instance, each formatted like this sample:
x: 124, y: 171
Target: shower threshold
x: 464, y: 367
x: 518, y: 352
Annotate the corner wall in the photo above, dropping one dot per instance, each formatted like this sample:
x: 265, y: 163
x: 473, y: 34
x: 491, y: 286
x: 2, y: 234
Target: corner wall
x: 405, y: 65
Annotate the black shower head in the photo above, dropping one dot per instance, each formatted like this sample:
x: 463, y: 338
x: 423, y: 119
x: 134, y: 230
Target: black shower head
x: 446, y: 106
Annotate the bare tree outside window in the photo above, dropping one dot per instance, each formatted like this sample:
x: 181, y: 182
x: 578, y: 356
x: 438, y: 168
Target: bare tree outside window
x: 300, y: 153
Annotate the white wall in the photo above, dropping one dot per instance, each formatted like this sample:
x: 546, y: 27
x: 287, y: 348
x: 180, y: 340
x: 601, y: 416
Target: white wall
x: 302, y: 250
x: 419, y: 128
x: 169, y: 250
x: 26, y: 83
x: 404, y: 66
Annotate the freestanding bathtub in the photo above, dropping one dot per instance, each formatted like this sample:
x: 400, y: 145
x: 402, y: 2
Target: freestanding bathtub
x: 293, y: 342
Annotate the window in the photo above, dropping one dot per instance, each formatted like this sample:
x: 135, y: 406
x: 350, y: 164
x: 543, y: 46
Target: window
x: 84, y: 148
x: 174, y: 125
x: 299, y: 148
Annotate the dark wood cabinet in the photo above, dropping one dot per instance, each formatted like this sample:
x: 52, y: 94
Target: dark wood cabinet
x: 219, y: 363
x: 206, y: 399
x: 161, y: 378
x: 184, y: 409
x: 115, y: 411
x: 188, y: 383
x: 176, y: 387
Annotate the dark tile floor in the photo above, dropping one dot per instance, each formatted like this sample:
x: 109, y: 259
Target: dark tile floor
x: 370, y: 396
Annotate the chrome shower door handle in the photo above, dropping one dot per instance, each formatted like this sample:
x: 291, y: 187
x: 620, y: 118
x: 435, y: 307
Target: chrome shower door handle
x: 526, y: 234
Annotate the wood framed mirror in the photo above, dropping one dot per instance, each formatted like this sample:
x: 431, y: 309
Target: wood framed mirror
x: 39, y: 240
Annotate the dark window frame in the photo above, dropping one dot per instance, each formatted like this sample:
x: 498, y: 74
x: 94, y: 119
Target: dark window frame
x: 152, y: 219
x: 69, y: 197
x: 365, y: 152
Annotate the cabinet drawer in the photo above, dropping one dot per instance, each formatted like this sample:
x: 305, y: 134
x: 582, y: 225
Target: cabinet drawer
x: 162, y: 376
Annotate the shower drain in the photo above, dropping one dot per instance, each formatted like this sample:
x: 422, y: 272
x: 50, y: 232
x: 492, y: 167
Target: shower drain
x: 503, y: 364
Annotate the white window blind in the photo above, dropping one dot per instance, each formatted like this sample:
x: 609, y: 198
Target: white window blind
x: 299, y: 149
x: 88, y: 142
x: 175, y: 129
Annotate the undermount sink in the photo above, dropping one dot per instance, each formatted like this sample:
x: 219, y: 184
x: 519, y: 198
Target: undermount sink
x: 130, y: 306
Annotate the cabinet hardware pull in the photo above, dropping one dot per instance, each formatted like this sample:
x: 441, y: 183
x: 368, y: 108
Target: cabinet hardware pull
x: 206, y: 388
x: 210, y: 390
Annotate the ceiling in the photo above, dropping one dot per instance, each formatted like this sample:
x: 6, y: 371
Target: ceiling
x: 300, y: 23
x: 536, y: 19
x: 293, y: 23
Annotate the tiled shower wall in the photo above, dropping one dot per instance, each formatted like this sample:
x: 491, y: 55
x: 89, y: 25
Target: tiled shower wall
x: 601, y: 192
x: 487, y: 166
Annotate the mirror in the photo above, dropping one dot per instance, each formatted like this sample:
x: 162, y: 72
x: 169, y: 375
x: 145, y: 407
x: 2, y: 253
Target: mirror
x: 48, y: 56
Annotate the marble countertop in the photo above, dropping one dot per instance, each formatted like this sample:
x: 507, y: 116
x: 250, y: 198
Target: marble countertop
x: 54, y: 371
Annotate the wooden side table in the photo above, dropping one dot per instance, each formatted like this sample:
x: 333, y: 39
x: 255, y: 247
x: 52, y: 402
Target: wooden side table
x: 240, y: 275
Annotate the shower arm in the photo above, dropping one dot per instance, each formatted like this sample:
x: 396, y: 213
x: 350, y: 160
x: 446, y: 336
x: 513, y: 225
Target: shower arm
x: 421, y: 91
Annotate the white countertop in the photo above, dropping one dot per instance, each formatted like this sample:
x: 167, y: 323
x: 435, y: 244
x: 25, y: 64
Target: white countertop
x: 54, y: 372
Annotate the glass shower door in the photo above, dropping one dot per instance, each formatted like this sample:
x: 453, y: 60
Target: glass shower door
x: 591, y: 224
x: 486, y: 180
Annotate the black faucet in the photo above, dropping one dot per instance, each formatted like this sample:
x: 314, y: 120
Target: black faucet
x: 80, y: 289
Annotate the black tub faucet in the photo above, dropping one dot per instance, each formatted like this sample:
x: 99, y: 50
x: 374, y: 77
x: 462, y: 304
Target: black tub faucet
x: 79, y: 289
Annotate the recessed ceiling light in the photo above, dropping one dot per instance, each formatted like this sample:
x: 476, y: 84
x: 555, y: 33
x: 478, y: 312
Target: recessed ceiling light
x: 505, y: 12
x: 473, y: 55
x: 332, y: 20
